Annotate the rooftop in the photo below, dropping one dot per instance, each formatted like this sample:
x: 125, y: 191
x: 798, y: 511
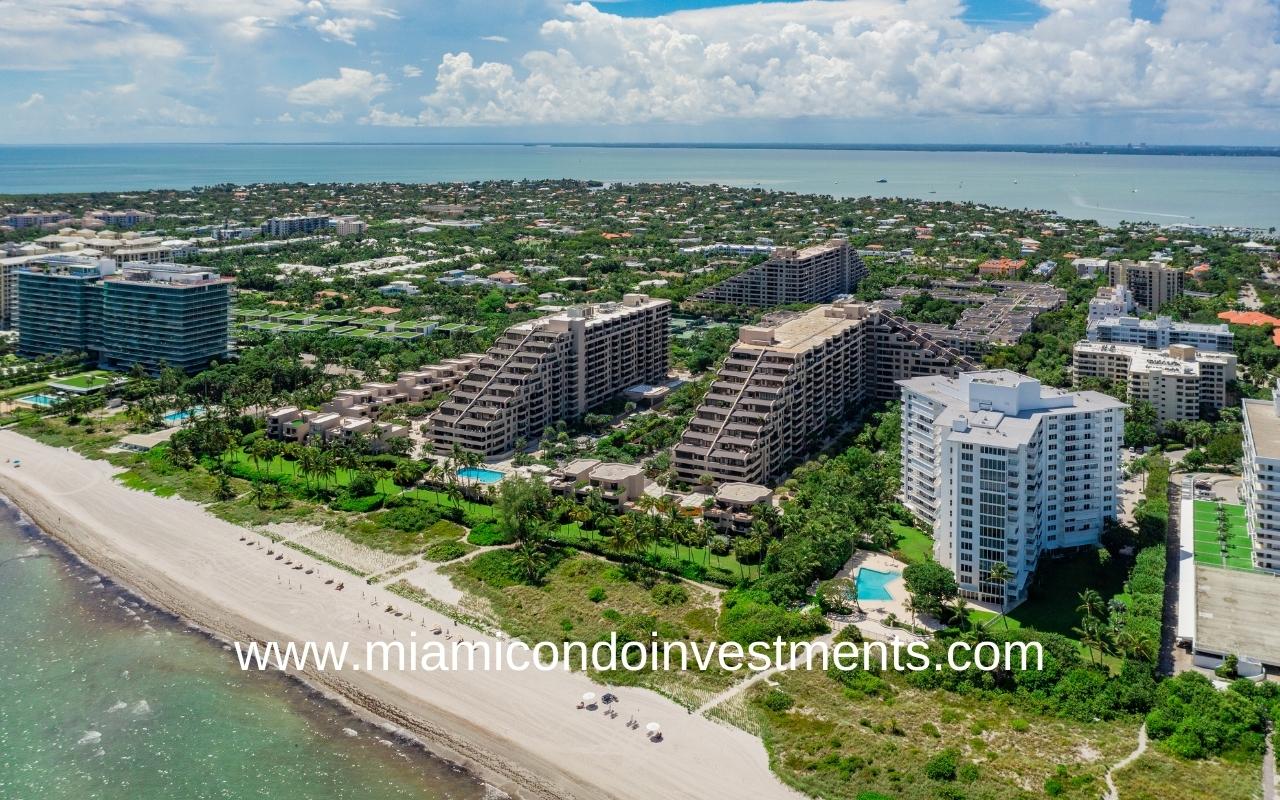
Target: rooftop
x: 1264, y: 425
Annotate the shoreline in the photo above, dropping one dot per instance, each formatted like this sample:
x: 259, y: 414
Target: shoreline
x: 519, y: 732
x: 316, y: 693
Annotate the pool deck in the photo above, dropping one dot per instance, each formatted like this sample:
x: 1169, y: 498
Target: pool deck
x: 877, y: 610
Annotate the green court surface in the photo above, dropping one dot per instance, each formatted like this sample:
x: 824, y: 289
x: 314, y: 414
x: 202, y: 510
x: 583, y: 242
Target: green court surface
x: 1211, y: 548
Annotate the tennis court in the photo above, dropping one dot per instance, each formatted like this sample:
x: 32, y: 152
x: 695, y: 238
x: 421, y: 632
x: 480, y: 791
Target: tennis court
x: 1212, y: 548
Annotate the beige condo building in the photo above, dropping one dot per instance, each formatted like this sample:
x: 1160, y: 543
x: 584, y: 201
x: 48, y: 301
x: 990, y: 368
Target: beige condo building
x: 1182, y: 383
x: 783, y: 388
x: 813, y: 275
x: 554, y: 368
x: 1152, y: 283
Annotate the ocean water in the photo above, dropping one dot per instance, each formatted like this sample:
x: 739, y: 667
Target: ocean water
x: 1208, y: 190
x: 102, y: 697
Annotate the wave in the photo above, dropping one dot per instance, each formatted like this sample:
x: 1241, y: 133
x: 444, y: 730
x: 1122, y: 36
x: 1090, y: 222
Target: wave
x: 1080, y: 202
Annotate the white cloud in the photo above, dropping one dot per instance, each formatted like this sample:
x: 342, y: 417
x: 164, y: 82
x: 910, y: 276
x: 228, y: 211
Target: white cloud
x: 411, y: 71
x: 499, y: 39
x: 34, y: 100
x: 342, y: 29
x: 330, y: 117
x: 872, y: 59
x: 351, y: 86
x: 388, y: 119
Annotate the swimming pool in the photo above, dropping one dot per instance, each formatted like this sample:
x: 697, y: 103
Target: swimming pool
x: 872, y: 583
x: 175, y: 417
x: 42, y: 400
x: 480, y: 475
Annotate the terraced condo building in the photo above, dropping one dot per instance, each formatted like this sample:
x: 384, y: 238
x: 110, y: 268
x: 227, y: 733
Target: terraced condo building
x: 554, y: 368
x: 1261, y: 485
x: 813, y: 275
x: 1005, y: 470
x: 783, y: 388
x: 1180, y: 382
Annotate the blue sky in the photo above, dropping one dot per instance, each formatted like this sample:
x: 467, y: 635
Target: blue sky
x: 1171, y: 71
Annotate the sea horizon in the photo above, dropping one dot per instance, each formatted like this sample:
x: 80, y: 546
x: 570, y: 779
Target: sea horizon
x: 1208, y: 190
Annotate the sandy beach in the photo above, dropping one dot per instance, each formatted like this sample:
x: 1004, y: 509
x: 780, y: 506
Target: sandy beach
x: 519, y: 730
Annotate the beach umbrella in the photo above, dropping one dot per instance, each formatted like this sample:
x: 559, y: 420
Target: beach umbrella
x: 652, y: 728
x: 589, y: 697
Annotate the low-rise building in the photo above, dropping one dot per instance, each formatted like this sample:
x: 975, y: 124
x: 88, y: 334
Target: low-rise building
x: 33, y: 218
x: 1180, y: 382
x: 1110, y: 302
x: 301, y: 426
x: 1159, y: 333
x: 280, y: 227
x: 618, y: 484
x: 733, y: 510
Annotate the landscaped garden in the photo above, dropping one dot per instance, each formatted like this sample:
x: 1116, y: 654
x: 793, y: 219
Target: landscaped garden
x: 1221, y: 537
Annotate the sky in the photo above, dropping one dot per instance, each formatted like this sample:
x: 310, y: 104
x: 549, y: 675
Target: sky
x: 796, y: 71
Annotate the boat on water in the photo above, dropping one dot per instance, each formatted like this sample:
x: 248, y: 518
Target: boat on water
x: 883, y: 180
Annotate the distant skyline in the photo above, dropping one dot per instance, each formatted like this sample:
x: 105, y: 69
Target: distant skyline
x: 808, y: 71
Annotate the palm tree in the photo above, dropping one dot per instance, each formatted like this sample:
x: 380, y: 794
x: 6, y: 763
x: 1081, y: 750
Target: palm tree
x: 259, y: 493
x: 531, y: 562
x: 308, y: 461
x: 1091, y: 604
x: 961, y: 610
x: 1091, y: 635
x: 406, y: 474
x: 910, y: 605
x: 1001, y: 574
x: 326, y: 467
x: 261, y: 450
x: 629, y: 538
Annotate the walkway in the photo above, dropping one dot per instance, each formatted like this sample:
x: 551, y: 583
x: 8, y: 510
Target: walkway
x: 1112, y: 792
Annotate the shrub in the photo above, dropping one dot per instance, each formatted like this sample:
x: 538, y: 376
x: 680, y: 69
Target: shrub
x: 444, y: 529
x: 446, y: 550
x: 486, y: 534
x: 670, y: 594
x: 942, y: 767
x: 496, y: 568
x: 356, y: 504
x: 850, y: 633
x: 596, y: 594
x: 968, y: 772
x: 931, y: 730
x: 408, y: 518
x: 777, y: 701
x: 1020, y: 725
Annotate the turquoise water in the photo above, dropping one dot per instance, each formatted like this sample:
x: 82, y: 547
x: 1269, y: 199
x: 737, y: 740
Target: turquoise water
x: 102, y: 697
x: 174, y: 417
x: 480, y: 475
x: 872, y: 584
x: 1212, y: 190
x: 43, y: 400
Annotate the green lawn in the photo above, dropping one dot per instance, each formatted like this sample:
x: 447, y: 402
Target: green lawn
x: 914, y: 544
x: 1056, y: 594
x: 1210, y: 550
x: 725, y: 569
x: 94, y: 379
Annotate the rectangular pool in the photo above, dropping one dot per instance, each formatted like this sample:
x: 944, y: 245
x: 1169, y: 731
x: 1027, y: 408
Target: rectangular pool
x: 480, y: 475
x: 175, y: 417
x: 872, y: 583
x: 42, y: 400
